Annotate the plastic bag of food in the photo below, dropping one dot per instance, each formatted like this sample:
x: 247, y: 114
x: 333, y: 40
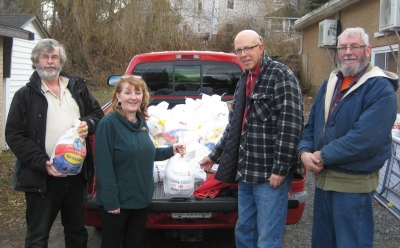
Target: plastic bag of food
x: 156, y: 110
x: 159, y: 171
x: 178, y: 178
x: 152, y: 123
x: 69, y: 152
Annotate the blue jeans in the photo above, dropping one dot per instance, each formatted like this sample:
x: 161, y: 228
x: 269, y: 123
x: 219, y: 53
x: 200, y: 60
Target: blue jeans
x: 262, y: 214
x: 342, y: 219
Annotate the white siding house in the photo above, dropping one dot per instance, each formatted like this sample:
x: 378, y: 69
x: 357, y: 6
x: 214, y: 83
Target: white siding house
x: 207, y: 16
x: 21, y: 65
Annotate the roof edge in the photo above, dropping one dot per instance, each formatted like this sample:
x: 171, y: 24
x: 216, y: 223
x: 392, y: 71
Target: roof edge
x: 16, y: 33
x: 36, y: 21
x: 41, y: 28
x: 322, y: 12
x: 33, y: 16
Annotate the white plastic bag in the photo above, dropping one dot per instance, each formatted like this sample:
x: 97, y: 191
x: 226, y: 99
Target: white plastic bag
x: 69, y: 152
x: 179, y: 178
x: 198, y: 173
x: 159, y: 171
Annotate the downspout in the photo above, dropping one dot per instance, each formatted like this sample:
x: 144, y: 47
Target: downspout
x: 300, y: 58
x: 301, y: 43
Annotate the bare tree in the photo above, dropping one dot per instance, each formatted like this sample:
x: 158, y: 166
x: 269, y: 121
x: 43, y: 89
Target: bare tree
x: 101, y: 36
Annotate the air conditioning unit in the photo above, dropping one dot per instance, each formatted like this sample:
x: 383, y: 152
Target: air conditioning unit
x: 389, y: 15
x: 327, y: 33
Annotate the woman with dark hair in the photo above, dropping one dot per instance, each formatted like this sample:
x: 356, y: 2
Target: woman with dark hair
x: 125, y: 155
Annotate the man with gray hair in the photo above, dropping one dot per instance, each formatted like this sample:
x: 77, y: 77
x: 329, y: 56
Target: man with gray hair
x: 40, y: 113
x: 346, y: 142
x: 258, y: 147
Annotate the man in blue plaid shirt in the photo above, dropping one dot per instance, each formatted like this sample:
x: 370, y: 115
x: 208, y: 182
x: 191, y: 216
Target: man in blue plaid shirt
x: 258, y: 147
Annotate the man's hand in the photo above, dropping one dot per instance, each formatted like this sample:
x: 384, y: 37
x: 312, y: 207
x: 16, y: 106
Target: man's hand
x: 312, y: 161
x: 52, y: 172
x: 317, y: 154
x: 83, y: 129
x: 206, y: 163
x: 275, y: 180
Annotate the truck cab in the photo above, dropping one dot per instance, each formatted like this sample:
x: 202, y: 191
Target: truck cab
x: 172, y: 77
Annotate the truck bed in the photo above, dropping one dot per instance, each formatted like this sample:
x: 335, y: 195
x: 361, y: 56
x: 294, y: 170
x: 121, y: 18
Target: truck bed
x: 163, y: 203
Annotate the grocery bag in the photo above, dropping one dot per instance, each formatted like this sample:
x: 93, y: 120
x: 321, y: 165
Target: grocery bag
x: 69, y: 152
x: 178, y: 178
x: 159, y: 171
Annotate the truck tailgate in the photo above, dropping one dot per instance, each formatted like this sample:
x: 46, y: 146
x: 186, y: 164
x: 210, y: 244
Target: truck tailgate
x: 163, y: 203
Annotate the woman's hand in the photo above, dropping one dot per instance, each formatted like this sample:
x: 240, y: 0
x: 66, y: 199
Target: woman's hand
x: 179, y: 148
x: 116, y: 211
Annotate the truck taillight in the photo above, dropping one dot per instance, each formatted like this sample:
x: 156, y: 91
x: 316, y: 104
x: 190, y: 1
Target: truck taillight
x: 187, y: 56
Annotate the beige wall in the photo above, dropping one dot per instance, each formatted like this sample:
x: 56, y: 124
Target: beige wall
x: 319, y: 59
x: 364, y: 14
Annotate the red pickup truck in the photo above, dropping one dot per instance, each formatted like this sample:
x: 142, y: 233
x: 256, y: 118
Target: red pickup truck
x: 173, y: 77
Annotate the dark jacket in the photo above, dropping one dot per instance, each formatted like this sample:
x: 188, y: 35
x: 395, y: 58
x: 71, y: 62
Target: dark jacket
x: 26, y: 130
x: 356, y: 137
x: 271, y: 131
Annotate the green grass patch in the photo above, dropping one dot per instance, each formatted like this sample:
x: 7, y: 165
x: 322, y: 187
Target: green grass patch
x: 12, y: 202
x: 101, y: 93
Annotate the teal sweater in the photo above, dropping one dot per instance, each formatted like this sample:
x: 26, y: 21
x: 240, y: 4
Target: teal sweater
x: 124, y: 158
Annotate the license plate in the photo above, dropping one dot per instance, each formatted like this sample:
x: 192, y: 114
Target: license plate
x: 191, y: 215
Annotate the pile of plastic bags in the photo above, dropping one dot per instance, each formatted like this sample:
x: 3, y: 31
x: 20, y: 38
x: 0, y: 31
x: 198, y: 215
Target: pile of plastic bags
x: 198, y: 125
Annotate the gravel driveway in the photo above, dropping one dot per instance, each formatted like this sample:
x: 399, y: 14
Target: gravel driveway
x: 387, y: 232
x: 387, y: 226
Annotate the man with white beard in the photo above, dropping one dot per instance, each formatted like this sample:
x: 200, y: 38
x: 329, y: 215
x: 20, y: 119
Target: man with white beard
x: 346, y: 142
x: 40, y: 113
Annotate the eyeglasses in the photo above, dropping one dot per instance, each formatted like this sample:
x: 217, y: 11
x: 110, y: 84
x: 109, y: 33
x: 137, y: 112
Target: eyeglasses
x: 46, y: 57
x: 353, y: 48
x: 131, y: 76
x: 245, y: 50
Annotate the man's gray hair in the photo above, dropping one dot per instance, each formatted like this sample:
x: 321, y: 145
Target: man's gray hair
x: 47, y: 45
x: 355, y: 32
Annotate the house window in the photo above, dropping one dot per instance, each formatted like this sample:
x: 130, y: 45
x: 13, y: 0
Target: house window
x: 199, y: 5
x: 230, y: 4
x: 291, y: 23
x: 263, y: 32
x: 276, y: 25
x: 383, y: 58
x: 199, y: 27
